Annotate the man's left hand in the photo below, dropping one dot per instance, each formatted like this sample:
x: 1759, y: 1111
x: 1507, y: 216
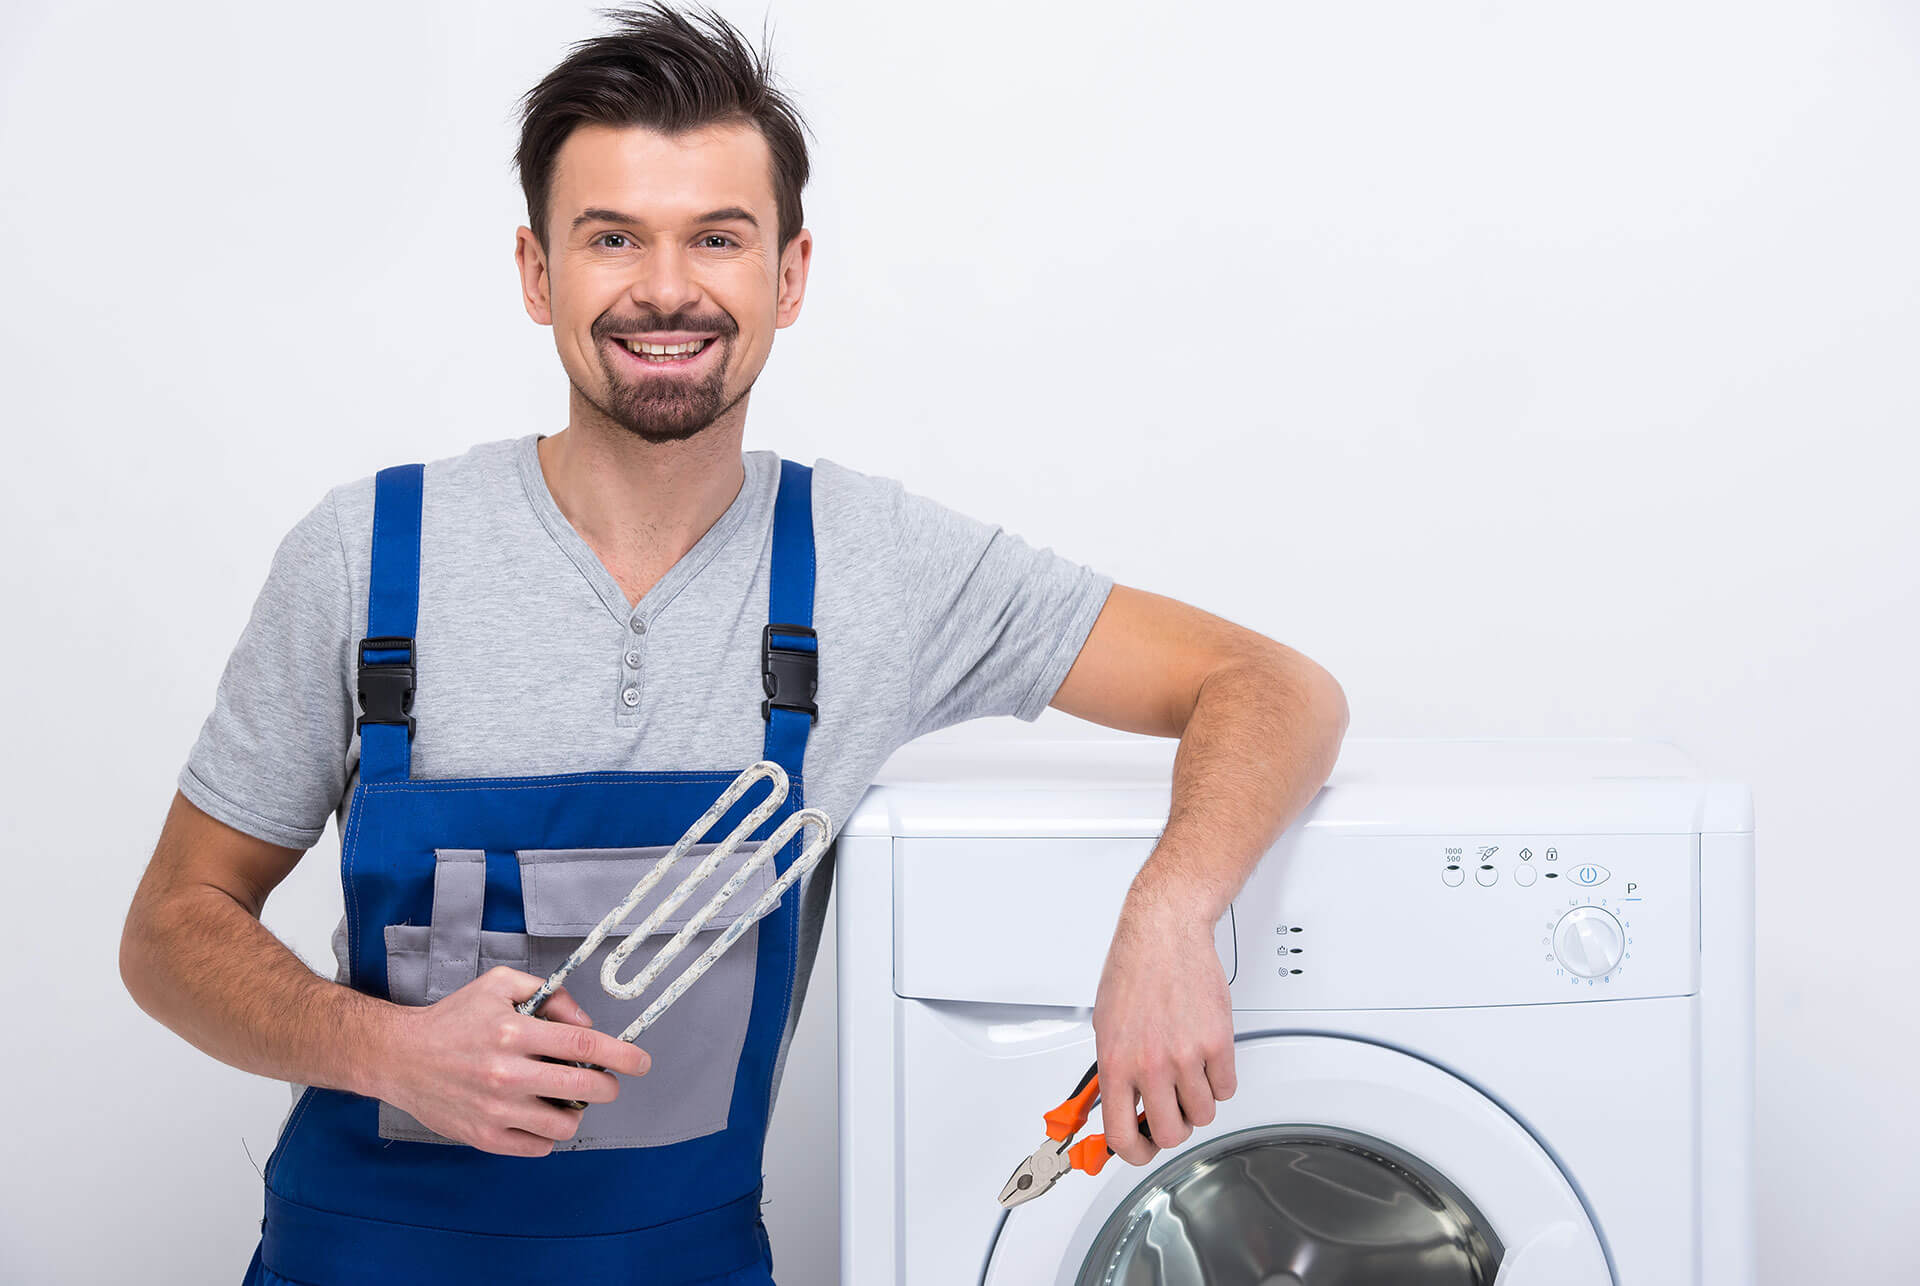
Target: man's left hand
x: 1163, y: 1030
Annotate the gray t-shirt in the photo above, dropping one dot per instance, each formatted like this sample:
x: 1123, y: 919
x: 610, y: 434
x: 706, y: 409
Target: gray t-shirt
x: 531, y: 661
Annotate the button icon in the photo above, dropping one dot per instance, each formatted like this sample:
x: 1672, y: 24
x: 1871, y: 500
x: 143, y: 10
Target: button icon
x: 1523, y: 876
x: 1453, y: 875
x: 1590, y: 875
x: 1486, y: 875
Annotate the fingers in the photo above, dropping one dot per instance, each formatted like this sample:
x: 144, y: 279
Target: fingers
x: 543, y: 1127
x: 1195, y: 1093
x: 562, y: 1006
x: 566, y: 1081
x: 1163, y: 1115
x: 1177, y: 1097
x: 516, y: 985
x: 580, y: 1045
x: 517, y: 1143
x: 547, y: 1123
x: 506, y: 1078
x: 1118, y: 1123
x: 571, y: 1037
x: 1220, y: 1074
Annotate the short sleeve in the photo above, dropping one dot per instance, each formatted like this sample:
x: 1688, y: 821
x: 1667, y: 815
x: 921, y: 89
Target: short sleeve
x: 994, y: 624
x: 271, y: 758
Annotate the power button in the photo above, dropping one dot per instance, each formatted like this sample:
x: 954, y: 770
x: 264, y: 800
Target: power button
x: 1589, y: 874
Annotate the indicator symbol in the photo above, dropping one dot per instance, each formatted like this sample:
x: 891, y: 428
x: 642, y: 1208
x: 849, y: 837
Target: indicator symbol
x: 1488, y: 850
x: 1526, y: 855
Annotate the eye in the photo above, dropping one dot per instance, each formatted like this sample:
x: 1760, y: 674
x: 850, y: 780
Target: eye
x: 718, y: 236
x: 603, y: 236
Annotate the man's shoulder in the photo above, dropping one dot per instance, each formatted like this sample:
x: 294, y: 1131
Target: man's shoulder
x: 472, y: 476
x: 838, y: 482
x: 855, y: 513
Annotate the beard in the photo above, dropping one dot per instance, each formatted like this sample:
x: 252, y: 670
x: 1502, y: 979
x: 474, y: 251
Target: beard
x: 664, y: 408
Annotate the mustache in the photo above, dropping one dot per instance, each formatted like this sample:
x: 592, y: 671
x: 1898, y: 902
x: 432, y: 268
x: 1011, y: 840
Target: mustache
x: 722, y: 327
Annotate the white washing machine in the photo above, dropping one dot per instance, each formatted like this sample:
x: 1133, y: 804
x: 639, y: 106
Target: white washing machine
x: 1493, y: 1005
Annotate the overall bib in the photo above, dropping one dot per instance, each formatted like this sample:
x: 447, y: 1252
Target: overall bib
x: 445, y: 878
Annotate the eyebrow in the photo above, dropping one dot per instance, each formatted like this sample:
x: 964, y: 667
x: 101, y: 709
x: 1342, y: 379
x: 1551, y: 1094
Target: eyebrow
x: 729, y: 214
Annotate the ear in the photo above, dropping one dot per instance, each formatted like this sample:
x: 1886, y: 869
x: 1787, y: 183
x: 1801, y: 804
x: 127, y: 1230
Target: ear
x: 793, y: 278
x: 532, y: 262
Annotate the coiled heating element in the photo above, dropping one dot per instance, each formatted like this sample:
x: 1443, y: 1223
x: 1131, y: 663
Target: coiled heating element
x: 809, y: 856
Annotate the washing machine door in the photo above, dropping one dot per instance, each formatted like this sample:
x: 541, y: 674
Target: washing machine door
x: 1337, y: 1162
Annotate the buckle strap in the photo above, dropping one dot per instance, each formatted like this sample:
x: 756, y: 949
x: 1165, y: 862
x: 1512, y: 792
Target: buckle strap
x: 386, y: 685
x: 385, y: 677
x: 790, y: 674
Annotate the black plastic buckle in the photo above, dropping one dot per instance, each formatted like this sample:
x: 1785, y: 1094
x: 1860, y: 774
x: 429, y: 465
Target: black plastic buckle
x: 386, y: 687
x: 790, y: 676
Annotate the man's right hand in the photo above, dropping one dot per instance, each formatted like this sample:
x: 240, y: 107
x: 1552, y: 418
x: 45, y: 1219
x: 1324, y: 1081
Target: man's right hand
x: 469, y: 1065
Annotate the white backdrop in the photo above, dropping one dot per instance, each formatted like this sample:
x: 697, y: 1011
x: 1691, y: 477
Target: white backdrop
x: 1538, y: 368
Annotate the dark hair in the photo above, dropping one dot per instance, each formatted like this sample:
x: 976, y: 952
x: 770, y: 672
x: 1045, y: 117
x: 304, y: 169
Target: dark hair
x: 659, y: 70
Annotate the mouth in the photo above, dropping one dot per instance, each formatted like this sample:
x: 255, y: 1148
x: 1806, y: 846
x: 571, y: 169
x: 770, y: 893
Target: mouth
x: 680, y: 356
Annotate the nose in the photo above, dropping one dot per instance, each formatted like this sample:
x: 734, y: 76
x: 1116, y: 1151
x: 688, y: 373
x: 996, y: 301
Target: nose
x: 665, y: 281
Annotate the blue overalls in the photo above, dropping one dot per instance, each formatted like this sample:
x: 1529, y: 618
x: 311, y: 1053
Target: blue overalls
x: 357, y: 1191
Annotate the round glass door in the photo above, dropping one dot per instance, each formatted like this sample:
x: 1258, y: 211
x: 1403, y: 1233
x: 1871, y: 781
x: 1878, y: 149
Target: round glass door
x: 1339, y: 1162
x: 1294, y: 1205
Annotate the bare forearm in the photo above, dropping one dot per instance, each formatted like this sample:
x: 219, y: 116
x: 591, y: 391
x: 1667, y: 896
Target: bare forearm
x: 1261, y: 740
x: 200, y: 964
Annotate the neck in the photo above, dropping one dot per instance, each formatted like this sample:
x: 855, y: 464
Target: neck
x: 641, y: 505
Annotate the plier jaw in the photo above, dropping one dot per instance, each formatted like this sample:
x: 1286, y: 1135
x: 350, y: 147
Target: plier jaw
x: 1036, y: 1174
x: 1059, y: 1153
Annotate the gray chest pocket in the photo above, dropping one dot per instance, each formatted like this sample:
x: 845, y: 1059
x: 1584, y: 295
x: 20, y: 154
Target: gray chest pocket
x: 695, y: 1046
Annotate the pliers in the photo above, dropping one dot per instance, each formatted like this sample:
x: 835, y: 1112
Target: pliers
x: 1059, y: 1154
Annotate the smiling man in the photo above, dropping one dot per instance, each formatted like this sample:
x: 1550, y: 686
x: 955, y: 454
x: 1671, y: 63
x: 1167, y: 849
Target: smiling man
x: 514, y: 674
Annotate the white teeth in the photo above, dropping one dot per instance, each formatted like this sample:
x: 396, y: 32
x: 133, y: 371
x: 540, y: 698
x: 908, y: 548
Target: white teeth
x: 664, y: 350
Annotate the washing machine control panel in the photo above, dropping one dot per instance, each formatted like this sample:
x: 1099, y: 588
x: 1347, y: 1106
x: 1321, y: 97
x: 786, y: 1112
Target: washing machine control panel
x: 1356, y: 921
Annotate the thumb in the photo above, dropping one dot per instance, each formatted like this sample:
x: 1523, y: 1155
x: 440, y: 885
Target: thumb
x: 559, y: 1006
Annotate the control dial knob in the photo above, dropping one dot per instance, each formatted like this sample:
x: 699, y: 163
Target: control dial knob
x: 1589, y: 942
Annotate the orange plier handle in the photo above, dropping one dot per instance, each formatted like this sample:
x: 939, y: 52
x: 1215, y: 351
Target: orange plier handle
x: 1063, y: 1122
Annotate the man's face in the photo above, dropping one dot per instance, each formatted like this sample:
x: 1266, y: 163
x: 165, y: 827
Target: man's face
x: 667, y: 240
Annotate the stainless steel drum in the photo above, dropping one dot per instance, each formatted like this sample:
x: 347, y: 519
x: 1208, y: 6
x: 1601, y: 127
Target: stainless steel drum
x: 1294, y: 1205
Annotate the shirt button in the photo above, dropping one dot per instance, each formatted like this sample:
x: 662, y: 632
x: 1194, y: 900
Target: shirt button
x: 631, y: 696
x: 633, y: 660
x: 639, y: 626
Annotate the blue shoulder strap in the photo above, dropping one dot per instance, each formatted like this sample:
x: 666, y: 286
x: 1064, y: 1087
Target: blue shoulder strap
x: 789, y: 649
x: 386, y: 672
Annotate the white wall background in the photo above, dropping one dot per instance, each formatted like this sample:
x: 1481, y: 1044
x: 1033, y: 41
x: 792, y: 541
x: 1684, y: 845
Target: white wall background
x: 1538, y: 368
